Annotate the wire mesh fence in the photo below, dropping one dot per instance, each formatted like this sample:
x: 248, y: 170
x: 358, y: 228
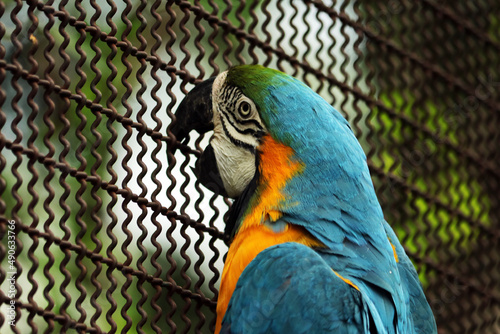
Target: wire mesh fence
x: 105, y: 230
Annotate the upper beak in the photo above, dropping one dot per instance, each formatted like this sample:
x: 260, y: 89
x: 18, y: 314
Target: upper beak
x: 194, y: 111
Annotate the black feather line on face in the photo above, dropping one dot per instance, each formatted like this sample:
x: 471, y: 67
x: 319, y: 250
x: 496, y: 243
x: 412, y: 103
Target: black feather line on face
x: 246, y: 121
x: 235, y: 141
x: 232, y: 95
x: 228, y: 92
x: 242, y: 131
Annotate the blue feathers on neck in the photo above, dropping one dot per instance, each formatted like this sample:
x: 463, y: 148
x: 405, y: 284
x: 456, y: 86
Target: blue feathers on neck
x: 336, y: 181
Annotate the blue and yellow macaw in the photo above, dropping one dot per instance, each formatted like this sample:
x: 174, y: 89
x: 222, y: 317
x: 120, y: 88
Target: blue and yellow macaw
x: 310, y: 250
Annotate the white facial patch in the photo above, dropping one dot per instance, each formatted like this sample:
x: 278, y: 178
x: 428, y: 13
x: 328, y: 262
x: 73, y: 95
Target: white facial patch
x: 236, y: 165
x: 236, y: 123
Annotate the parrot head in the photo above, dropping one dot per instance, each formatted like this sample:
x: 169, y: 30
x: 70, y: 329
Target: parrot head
x: 269, y: 128
x: 227, y: 164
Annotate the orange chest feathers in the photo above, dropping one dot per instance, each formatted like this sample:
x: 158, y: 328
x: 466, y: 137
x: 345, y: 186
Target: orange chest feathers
x: 276, y: 168
x: 245, y: 247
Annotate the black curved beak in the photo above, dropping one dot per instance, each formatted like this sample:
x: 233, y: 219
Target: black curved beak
x: 195, y: 113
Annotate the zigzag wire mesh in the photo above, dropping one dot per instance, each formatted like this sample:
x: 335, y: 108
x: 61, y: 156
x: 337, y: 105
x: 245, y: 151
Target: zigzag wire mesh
x: 105, y: 230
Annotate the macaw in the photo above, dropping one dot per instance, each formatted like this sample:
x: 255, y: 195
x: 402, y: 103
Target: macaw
x: 310, y: 249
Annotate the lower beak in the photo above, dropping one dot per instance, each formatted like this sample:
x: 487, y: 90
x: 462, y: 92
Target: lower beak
x: 207, y: 172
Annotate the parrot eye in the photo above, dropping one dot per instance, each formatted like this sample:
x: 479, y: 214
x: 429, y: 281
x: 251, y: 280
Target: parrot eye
x: 244, y: 109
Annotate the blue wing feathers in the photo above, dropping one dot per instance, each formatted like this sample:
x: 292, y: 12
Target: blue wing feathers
x: 289, y: 288
x: 422, y: 318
